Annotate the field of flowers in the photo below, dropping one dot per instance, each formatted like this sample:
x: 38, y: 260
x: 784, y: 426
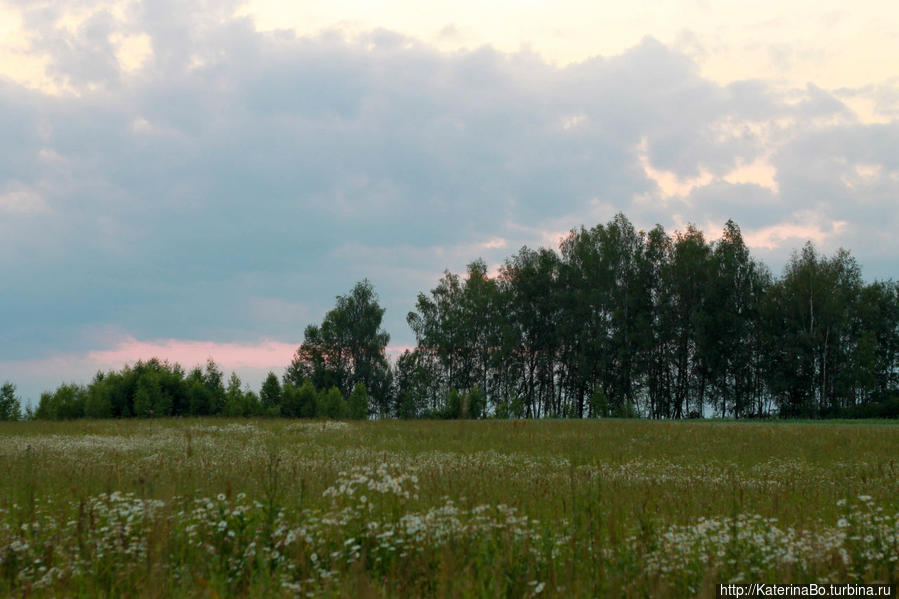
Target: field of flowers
x: 279, y: 508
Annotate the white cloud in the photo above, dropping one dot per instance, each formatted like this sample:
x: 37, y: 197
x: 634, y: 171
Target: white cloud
x: 758, y: 172
x: 132, y: 51
x: 19, y: 199
x: 793, y: 234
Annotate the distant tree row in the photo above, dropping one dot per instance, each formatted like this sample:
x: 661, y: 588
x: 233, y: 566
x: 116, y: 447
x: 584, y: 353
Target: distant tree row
x: 617, y: 322
x: 158, y: 389
x: 623, y: 322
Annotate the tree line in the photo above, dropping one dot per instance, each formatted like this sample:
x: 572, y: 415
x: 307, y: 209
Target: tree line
x: 625, y: 323
x: 155, y: 388
x: 616, y: 322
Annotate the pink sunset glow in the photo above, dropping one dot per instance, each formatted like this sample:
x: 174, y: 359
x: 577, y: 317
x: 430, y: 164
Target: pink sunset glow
x: 261, y: 356
x: 252, y: 361
x: 266, y: 353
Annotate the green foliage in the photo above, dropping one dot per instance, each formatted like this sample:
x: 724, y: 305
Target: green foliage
x: 668, y: 326
x: 460, y: 331
x: 406, y: 407
x: 464, y: 406
x: 454, y: 407
x: 150, y: 400
x: 98, y: 403
x: 307, y: 400
x: 627, y: 410
x: 10, y: 406
x: 509, y: 408
x: 147, y: 396
x: 357, y: 403
x: 66, y: 403
x: 347, y: 348
x: 212, y: 378
x: 289, y: 400
x: 817, y: 330
x: 475, y: 403
x: 413, y: 386
x: 331, y: 404
x: 599, y: 403
x: 199, y: 397
x: 270, y: 395
x: 252, y: 405
x: 235, y: 400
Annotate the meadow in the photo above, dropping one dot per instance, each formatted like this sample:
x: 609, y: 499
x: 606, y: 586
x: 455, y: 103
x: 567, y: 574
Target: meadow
x: 292, y: 508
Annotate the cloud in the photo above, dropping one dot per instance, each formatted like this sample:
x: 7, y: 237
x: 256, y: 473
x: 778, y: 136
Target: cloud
x: 758, y: 172
x: 190, y: 177
x: 18, y: 199
x: 266, y: 353
x: 251, y: 360
x: 773, y: 236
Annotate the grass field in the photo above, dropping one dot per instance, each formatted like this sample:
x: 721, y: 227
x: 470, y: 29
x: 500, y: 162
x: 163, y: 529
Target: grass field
x: 221, y: 508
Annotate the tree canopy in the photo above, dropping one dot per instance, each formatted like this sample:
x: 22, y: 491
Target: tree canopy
x: 347, y: 348
x: 616, y: 322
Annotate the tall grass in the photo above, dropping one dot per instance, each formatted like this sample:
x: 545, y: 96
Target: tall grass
x: 442, y: 509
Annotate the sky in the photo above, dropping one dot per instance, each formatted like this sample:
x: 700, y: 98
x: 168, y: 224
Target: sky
x: 201, y: 179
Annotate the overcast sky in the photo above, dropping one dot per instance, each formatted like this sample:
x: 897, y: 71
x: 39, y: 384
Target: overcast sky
x: 187, y: 180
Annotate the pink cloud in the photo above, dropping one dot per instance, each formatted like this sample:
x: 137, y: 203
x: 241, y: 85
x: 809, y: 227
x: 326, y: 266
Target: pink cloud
x: 261, y: 356
x: 395, y: 351
x: 251, y: 361
x: 495, y: 243
x: 266, y: 353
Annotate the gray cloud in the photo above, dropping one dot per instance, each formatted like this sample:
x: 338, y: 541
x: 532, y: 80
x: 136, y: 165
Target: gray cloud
x: 236, y: 170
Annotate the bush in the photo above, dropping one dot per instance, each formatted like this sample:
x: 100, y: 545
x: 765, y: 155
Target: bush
x: 331, y: 404
x: 66, y: 403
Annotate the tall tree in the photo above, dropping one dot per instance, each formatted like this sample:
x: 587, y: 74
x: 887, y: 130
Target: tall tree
x: 415, y: 392
x: 729, y: 328
x: 809, y: 319
x: 657, y: 338
x: 348, y: 347
x: 531, y: 341
x: 438, y: 326
x: 875, y: 359
x: 688, y: 274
